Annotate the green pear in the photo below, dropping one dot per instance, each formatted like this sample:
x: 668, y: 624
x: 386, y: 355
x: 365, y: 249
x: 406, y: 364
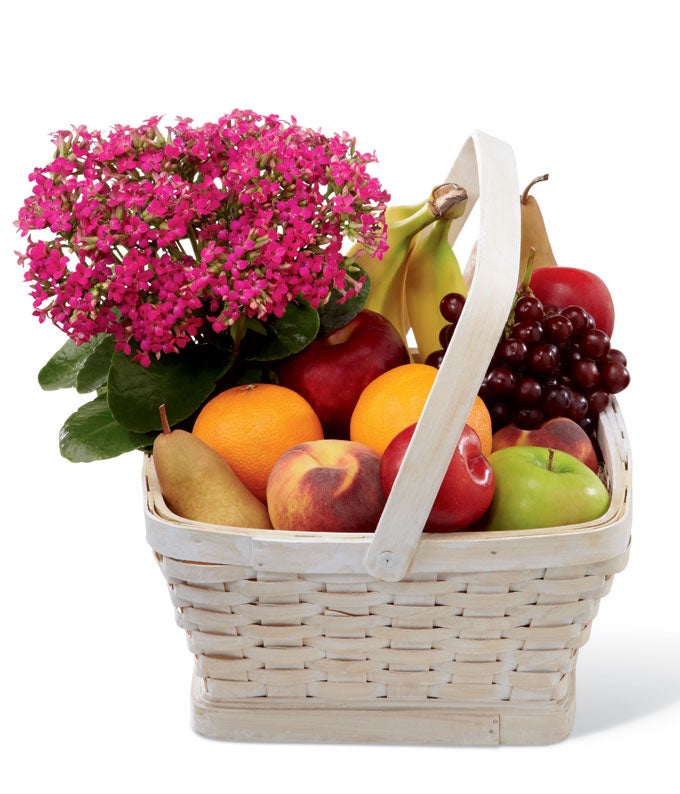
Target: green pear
x: 197, y: 483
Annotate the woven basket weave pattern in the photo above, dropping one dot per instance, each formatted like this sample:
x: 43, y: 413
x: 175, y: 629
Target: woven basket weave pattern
x: 487, y: 637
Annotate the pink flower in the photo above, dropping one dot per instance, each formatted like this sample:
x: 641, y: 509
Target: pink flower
x: 152, y: 237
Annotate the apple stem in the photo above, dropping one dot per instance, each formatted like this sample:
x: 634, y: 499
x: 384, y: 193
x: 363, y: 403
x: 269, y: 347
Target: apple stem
x: 551, y: 456
x: 165, y: 425
x: 525, y: 195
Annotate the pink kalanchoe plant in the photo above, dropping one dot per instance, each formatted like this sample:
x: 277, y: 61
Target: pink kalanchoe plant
x: 156, y: 238
x: 183, y: 262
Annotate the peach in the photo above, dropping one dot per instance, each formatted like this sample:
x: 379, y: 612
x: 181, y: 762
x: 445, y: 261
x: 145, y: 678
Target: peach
x: 558, y: 433
x: 331, y: 485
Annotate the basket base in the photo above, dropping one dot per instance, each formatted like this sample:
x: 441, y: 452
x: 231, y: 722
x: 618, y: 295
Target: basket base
x: 453, y: 724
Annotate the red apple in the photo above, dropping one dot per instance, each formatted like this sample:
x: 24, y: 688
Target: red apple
x: 332, y: 371
x: 571, y: 286
x: 558, y: 433
x: 466, y: 490
x: 331, y: 485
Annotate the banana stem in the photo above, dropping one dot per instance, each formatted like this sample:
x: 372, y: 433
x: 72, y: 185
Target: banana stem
x: 448, y: 201
x: 410, y: 226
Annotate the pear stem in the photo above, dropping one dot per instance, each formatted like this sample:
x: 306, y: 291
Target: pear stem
x: 165, y: 425
x: 525, y: 195
x: 551, y: 456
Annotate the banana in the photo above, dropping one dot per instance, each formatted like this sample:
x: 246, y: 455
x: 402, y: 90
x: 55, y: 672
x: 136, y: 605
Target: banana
x: 388, y: 275
x: 397, y: 212
x: 393, y: 213
x: 432, y: 272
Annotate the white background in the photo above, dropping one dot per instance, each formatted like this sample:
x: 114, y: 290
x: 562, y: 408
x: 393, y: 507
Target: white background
x: 95, y: 674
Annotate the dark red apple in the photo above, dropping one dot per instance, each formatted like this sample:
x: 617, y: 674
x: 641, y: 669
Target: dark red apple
x: 558, y: 433
x: 332, y: 371
x: 466, y: 490
x: 571, y: 286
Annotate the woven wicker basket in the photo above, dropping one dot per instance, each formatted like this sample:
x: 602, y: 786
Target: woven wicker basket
x: 400, y: 636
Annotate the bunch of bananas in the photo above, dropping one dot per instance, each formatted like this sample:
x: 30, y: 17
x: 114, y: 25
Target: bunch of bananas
x: 419, y: 267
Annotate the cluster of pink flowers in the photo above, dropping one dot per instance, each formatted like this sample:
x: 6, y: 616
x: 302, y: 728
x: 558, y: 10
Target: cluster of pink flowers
x: 149, y: 236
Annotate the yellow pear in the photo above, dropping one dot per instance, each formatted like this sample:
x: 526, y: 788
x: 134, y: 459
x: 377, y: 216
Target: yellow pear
x: 534, y: 233
x: 198, y: 484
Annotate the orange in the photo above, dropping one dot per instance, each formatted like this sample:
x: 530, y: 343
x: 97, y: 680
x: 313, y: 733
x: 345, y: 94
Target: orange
x: 479, y: 420
x: 395, y: 400
x: 252, y: 425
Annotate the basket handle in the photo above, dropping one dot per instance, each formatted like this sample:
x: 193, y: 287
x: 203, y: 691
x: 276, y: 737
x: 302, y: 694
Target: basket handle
x: 486, y: 168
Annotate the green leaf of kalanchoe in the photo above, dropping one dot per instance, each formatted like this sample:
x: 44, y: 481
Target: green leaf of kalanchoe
x: 91, y: 433
x: 285, y: 335
x: 95, y: 370
x: 336, y: 314
x: 181, y: 381
x: 63, y: 369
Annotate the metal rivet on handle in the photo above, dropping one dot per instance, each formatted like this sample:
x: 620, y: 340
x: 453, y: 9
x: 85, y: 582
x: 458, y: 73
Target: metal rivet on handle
x: 386, y: 559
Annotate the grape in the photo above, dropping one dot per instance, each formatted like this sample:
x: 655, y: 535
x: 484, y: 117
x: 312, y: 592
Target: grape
x: 579, y: 318
x: 544, y: 359
x: 585, y: 374
x: 528, y: 308
x: 556, y: 400
x: 589, y: 424
x: 445, y: 335
x: 557, y: 328
x: 550, y: 362
x: 614, y: 377
x: 528, y: 392
x: 500, y: 414
x: 512, y: 352
x: 501, y: 382
x: 597, y: 401
x: 528, y: 418
x: 529, y: 332
x: 451, y: 307
x: 569, y: 357
x: 615, y: 355
x: 578, y: 406
x: 435, y: 358
x: 594, y: 344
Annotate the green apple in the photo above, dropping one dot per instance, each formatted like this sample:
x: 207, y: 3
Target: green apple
x: 543, y: 487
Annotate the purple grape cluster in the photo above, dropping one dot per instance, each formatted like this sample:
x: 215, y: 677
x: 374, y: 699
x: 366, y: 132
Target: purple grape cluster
x: 549, y: 362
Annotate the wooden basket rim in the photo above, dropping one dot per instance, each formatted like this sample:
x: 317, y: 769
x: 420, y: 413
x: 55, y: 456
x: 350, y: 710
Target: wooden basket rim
x: 335, y: 553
